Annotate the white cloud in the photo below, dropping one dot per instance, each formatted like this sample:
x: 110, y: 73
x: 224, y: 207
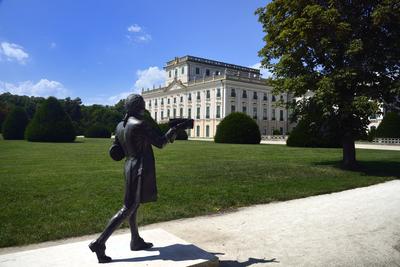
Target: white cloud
x: 137, y: 34
x: 42, y: 88
x: 134, y: 28
x: 112, y: 100
x: 264, y: 72
x: 147, y: 78
x: 143, y: 38
x: 13, y: 52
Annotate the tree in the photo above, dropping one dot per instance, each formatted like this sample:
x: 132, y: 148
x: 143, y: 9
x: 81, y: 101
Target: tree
x: 15, y: 124
x: 389, y: 126
x: 346, y: 53
x: 50, y: 124
x: 237, y: 128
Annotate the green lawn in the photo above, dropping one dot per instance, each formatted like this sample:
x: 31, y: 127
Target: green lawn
x: 50, y: 191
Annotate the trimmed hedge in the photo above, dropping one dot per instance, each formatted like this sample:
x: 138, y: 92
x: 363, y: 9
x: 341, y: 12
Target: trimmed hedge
x: 389, y: 126
x: 14, y: 125
x: 50, y: 124
x: 238, y: 128
x: 97, y: 131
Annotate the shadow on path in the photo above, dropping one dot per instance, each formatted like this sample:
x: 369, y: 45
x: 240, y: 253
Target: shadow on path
x: 249, y: 262
x: 176, y: 252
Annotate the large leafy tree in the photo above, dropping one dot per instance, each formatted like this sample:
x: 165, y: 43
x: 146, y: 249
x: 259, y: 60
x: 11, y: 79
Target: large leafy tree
x: 346, y: 53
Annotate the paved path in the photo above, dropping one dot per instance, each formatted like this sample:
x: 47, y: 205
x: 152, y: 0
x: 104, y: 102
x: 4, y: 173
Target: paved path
x: 358, y: 145
x: 359, y: 227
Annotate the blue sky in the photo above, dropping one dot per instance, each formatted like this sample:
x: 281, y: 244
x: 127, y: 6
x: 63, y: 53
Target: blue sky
x: 101, y: 50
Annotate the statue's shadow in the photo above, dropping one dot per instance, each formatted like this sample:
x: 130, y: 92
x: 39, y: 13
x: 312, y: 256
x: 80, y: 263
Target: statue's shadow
x: 176, y: 252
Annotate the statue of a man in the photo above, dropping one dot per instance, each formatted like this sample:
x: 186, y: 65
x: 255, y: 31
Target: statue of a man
x: 134, y: 137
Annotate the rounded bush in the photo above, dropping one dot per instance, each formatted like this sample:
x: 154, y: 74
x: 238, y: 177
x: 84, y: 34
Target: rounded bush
x: 15, y: 124
x: 97, y: 131
x: 389, y: 126
x: 50, y: 124
x: 238, y: 128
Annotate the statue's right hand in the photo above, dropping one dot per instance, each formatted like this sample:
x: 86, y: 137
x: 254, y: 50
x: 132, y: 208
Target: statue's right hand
x: 171, y: 134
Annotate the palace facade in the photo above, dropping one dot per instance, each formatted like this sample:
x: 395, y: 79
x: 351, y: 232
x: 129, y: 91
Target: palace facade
x: 207, y: 91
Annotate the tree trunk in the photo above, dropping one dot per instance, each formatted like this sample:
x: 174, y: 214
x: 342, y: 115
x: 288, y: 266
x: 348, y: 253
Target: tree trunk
x: 349, y: 153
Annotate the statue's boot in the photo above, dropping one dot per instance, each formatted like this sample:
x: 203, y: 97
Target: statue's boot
x: 139, y: 244
x: 100, y: 250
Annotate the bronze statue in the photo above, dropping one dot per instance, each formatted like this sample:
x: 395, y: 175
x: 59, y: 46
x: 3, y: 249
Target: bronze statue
x: 134, y: 138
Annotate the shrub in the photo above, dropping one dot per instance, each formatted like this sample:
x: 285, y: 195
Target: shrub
x: 50, y: 124
x: 310, y: 134
x: 276, y: 132
x: 97, y: 131
x: 389, y: 126
x: 15, y: 124
x: 238, y: 128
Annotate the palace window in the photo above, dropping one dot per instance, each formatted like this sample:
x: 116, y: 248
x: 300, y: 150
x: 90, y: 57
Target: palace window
x: 190, y: 97
x: 174, y: 100
x: 198, y: 95
x: 168, y: 113
x: 255, y: 95
x: 207, y: 112
x: 168, y: 101
x: 162, y: 101
x: 155, y: 102
x: 198, y: 130
x: 149, y: 103
x: 155, y: 116
x: 169, y: 74
x: 244, y: 95
x: 233, y: 108
x: 265, y: 98
x: 198, y: 113
x: 208, y: 94
x: 174, y: 113
x: 181, y: 112
x: 265, y: 116
x: 218, y: 112
x: 189, y: 113
x: 176, y: 72
x: 162, y: 114
x: 207, y: 130
x: 181, y: 99
x: 273, y: 114
x: 218, y: 92
x: 183, y: 70
x: 244, y: 109
x: 281, y: 115
x: 207, y: 72
x: 233, y: 93
x: 273, y: 98
x: 197, y: 70
x: 254, y: 112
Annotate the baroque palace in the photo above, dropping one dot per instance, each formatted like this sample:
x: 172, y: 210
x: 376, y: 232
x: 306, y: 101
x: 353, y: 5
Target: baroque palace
x: 207, y: 91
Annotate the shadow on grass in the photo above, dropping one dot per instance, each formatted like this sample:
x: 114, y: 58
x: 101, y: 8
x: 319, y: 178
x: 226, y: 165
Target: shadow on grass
x: 370, y: 168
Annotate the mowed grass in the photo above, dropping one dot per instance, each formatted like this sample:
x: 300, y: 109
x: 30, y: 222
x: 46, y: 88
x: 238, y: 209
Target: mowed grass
x: 51, y: 191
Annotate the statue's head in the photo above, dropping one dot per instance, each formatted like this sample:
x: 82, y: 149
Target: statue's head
x: 135, y: 105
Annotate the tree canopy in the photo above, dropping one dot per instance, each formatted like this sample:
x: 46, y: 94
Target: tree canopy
x: 344, y: 54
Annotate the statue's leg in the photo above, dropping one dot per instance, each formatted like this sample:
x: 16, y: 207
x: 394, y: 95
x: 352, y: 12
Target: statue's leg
x: 137, y: 243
